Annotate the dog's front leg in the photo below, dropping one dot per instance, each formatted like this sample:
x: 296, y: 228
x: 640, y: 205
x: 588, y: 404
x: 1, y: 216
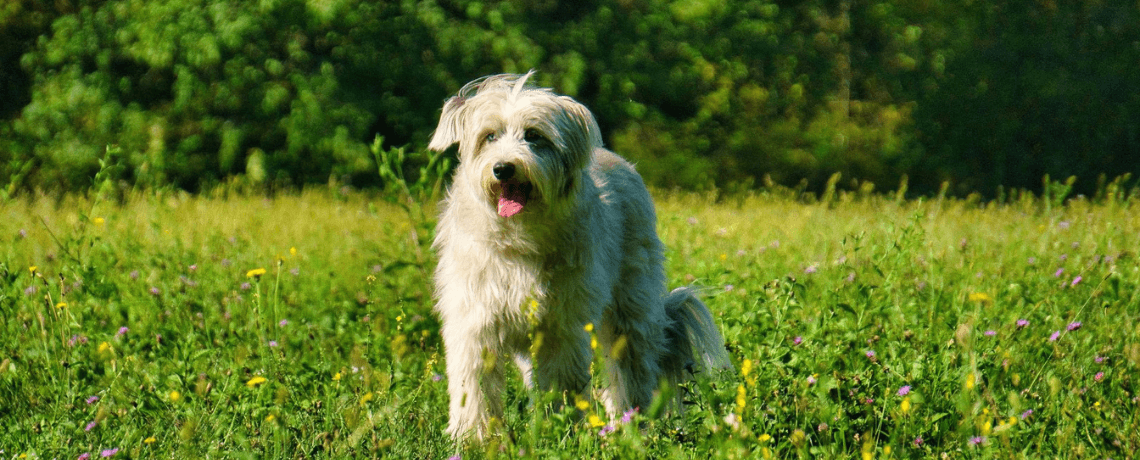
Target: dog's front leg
x: 474, y: 382
x: 562, y: 362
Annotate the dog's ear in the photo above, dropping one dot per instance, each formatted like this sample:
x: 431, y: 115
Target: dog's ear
x: 585, y: 125
x: 452, y: 124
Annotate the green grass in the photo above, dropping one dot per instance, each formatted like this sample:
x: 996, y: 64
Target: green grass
x: 140, y: 329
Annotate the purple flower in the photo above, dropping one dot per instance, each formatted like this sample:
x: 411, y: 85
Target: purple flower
x: 1056, y: 335
x: 870, y: 354
x: 918, y: 441
x: 109, y: 452
x: 628, y: 415
x: 84, y: 456
x: 246, y: 286
x: 822, y: 427
x: 1022, y: 323
x: 92, y: 399
x: 904, y: 390
x: 798, y: 340
x: 990, y: 333
x: 1099, y: 359
x: 1057, y: 274
x: 194, y: 267
x: 729, y: 287
x: 23, y: 233
x: 272, y: 343
x: 1076, y: 281
x: 154, y: 291
x: 436, y: 377
x: 606, y: 430
x: 134, y: 275
x: 89, y: 426
x: 1026, y: 414
x: 122, y: 331
x: 1074, y: 325
x: 811, y: 380
x: 1064, y: 257
x: 282, y: 323
x: 977, y: 440
x: 1099, y: 376
x: 455, y: 457
x: 811, y: 269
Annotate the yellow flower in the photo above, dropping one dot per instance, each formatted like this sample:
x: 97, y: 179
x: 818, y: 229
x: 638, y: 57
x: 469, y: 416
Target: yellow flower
x: 269, y: 418
x: 61, y: 305
x: 255, y: 381
x: 764, y: 437
x: 104, y: 347
x: 798, y: 438
x: 905, y: 406
x: 596, y: 421
x: 582, y: 404
x: 336, y: 377
x: 293, y: 251
x: 175, y: 396
x: 32, y: 269
x: 367, y: 397
x: 970, y: 381
x: 255, y: 273
x: 980, y: 297
x: 723, y: 257
x: 886, y: 450
x: 746, y: 368
x: 741, y: 401
x: 589, y: 327
x: 765, y: 453
x: 149, y: 440
x: 98, y: 220
x: 1012, y: 421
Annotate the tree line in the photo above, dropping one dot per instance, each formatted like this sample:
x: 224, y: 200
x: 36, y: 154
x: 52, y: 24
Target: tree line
x: 699, y: 93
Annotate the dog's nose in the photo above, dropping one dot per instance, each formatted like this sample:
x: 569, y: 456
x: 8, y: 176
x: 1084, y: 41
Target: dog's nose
x: 504, y: 171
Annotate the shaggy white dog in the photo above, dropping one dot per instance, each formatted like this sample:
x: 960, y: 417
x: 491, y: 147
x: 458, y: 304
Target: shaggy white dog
x: 547, y: 240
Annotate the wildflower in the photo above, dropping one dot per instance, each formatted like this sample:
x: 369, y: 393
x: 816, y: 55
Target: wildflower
x: 99, y: 220
x: 1076, y: 281
x: 257, y: 380
x: 870, y: 354
x: 293, y: 251
x: 282, y: 323
x: 175, y: 396
x: 109, y: 452
x: 850, y: 277
x: 1074, y: 326
x: 89, y: 426
x: 628, y: 415
x: 23, y: 233
x: 92, y: 399
x: 980, y: 297
x: 122, y: 331
x: 904, y: 390
x: 295, y: 271
x: 84, y: 456
x: 811, y: 269
x: 154, y: 291
x: 741, y: 398
x: 1056, y: 335
x: 336, y: 376
x: 971, y: 380
x: 61, y: 305
x: 606, y: 430
x: 1026, y: 414
x: 811, y: 380
x: 270, y: 417
x: 977, y: 440
x: 246, y: 286
x: 1031, y: 260
x: 798, y: 437
x: 798, y: 340
x: 1057, y: 274
x: 764, y: 438
x: 822, y: 427
x: 1099, y: 359
x: 917, y: 441
x: 1099, y: 376
x: 745, y: 368
x: 255, y: 273
x: 435, y: 377
x: 366, y: 398
x: 1022, y: 323
x: 904, y: 406
x: 104, y: 347
x: 582, y: 404
x: 272, y: 343
x: 149, y: 440
x: 729, y: 288
x: 589, y: 327
x: 595, y: 421
x: 30, y: 290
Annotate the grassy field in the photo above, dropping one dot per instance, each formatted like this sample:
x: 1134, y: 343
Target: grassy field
x: 300, y: 326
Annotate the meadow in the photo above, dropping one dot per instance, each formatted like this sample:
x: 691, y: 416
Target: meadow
x: 165, y: 325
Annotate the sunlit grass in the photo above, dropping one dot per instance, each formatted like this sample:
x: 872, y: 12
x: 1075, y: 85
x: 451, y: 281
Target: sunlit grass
x: 300, y: 326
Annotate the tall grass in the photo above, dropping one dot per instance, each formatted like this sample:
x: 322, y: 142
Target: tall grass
x: 865, y: 327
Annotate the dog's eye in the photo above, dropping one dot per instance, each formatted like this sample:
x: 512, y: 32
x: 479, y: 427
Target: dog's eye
x: 490, y: 137
x: 533, y: 136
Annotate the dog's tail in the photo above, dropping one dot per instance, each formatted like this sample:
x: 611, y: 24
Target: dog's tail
x: 691, y: 333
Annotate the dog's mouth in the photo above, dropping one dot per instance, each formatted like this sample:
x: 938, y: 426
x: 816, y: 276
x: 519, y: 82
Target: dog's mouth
x: 513, y: 196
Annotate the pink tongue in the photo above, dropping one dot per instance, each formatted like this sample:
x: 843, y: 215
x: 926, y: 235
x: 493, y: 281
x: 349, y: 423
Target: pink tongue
x: 512, y: 198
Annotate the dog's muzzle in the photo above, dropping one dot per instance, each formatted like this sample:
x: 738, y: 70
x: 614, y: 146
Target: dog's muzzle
x: 513, y: 193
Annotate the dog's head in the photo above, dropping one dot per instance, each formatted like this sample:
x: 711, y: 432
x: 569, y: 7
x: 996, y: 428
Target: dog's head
x: 521, y: 147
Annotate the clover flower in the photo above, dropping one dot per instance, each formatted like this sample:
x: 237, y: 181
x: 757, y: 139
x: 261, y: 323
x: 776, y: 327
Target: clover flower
x: 904, y: 390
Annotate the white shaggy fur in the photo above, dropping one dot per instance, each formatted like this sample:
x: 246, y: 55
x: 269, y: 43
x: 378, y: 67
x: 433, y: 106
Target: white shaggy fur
x: 543, y: 232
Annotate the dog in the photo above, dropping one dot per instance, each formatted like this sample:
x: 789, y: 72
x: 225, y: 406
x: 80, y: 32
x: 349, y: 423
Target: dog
x: 548, y: 252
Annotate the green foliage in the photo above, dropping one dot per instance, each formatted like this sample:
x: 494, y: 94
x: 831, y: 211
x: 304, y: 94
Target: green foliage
x: 700, y: 94
x: 146, y: 326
